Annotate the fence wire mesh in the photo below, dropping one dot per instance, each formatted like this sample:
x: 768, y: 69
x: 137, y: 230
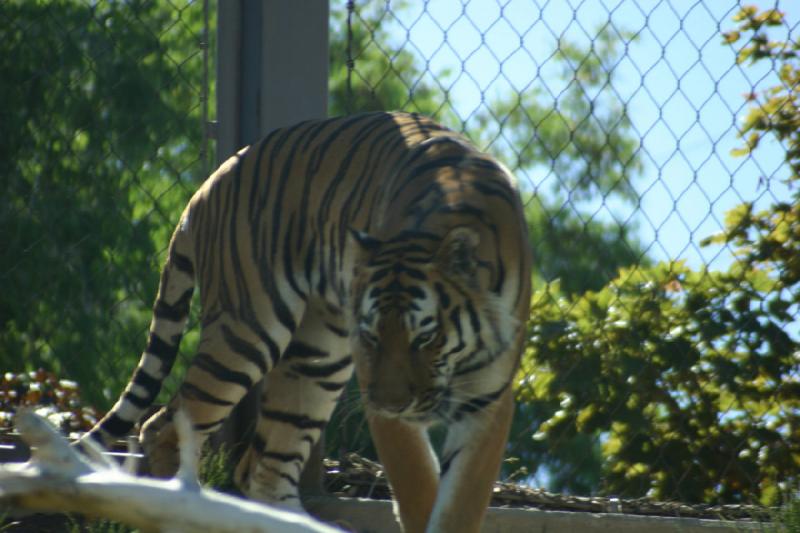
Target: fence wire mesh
x: 662, y: 362
x: 102, y: 144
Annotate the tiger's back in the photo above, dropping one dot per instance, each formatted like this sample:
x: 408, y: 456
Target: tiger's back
x: 383, y: 240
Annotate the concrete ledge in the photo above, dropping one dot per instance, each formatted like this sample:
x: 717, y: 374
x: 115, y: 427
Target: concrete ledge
x: 371, y: 516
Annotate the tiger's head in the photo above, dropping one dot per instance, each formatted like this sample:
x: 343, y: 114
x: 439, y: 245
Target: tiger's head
x: 422, y: 317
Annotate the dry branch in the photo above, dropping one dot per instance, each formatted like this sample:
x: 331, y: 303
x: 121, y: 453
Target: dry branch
x: 59, y: 479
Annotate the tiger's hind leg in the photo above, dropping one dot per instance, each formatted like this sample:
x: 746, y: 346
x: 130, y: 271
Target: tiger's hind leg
x: 299, y: 396
x: 231, y: 358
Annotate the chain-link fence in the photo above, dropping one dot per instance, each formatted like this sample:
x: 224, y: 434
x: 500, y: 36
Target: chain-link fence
x: 102, y: 143
x: 662, y: 362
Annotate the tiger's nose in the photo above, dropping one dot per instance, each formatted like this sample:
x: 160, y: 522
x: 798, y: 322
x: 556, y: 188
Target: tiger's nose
x: 394, y: 399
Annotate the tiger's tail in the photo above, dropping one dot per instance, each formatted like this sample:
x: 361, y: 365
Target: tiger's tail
x: 170, y: 314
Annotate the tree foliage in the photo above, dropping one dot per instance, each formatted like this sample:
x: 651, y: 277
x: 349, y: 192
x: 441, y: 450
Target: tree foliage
x: 381, y: 76
x: 97, y: 144
x: 690, y: 379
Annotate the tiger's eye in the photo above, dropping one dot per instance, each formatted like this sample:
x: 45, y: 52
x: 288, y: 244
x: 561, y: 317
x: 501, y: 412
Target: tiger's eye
x: 423, y: 339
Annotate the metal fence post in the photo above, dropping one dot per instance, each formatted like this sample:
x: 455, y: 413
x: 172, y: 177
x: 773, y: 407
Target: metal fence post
x: 272, y: 71
x: 272, y: 68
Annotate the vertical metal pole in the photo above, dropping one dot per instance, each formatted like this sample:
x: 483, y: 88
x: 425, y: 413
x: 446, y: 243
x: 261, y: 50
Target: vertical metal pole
x: 295, y: 62
x: 272, y: 68
x: 229, y: 45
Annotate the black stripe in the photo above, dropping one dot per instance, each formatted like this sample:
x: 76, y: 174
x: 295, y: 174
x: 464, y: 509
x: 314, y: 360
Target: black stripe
x: 394, y: 288
x: 288, y: 264
x: 208, y: 426
x: 301, y: 350
x: 490, y: 188
x: 420, y: 150
x: 258, y: 443
x: 460, y: 369
x: 315, y: 160
x: 221, y: 372
x: 447, y: 461
x: 368, y: 131
x: 501, y: 273
x: 371, y: 123
x: 96, y: 436
x: 193, y: 392
x: 461, y: 208
x: 308, y: 265
x: 284, y: 178
x: 339, y: 332
x: 147, y: 382
x: 455, y: 318
x: 377, y: 158
x: 332, y: 266
x: 174, y: 312
x: 413, y: 234
x: 283, y: 457
x: 400, y: 247
x: 227, y: 249
x: 415, y: 292
x: 379, y: 274
x: 279, y: 307
x: 411, y: 272
x: 162, y: 350
x: 322, y: 371
x: 272, y: 346
x: 322, y: 284
x: 245, y: 349
x: 332, y: 386
x: 397, y: 146
x: 116, y: 426
x: 312, y: 169
x: 253, y: 206
x: 457, y: 348
x: 151, y: 386
x: 444, y: 299
x: 477, y: 403
x: 451, y: 162
x: 298, y: 421
x: 473, y: 317
x: 435, y: 188
x: 283, y: 475
x: 182, y: 263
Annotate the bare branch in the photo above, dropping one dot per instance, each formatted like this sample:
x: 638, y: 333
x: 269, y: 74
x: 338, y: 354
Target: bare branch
x: 59, y: 479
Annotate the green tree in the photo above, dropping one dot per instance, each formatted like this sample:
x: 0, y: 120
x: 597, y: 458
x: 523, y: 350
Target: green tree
x: 100, y: 121
x: 384, y: 76
x: 690, y: 378
x: 583, y: 139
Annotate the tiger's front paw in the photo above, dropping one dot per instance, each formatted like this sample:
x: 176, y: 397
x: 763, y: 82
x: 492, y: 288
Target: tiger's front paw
x: 159, y: 442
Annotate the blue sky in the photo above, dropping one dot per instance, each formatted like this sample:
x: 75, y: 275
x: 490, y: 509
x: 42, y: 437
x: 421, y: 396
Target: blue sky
x: 683, y: 90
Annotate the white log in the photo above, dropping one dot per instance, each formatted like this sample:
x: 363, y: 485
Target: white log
x: 59, y: 479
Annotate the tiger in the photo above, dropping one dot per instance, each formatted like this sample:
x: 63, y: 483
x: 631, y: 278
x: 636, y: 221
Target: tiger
x: 383, y: 243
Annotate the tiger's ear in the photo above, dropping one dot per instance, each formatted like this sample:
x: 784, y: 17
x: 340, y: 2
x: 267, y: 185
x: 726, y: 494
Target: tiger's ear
x: 364, y: 241
x: 457, y: 253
